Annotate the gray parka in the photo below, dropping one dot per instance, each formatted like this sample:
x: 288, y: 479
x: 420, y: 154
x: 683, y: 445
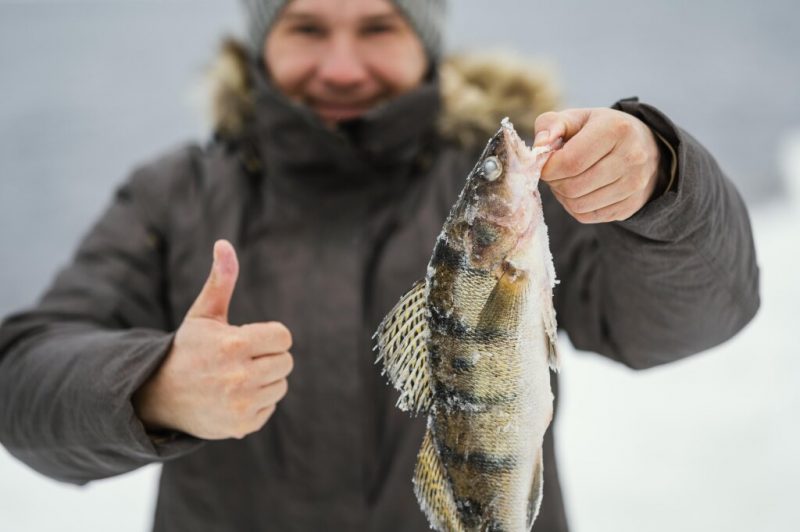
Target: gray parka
x: 331, y: 229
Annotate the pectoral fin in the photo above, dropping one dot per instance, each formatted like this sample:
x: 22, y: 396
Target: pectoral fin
x: 433, y: 490
x: 402, y: 346
x: 537, y: 489
x: 503, y: 308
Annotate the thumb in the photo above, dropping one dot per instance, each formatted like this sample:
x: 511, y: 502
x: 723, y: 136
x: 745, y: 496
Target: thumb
x: 215, y: 297
x: 562, y: 125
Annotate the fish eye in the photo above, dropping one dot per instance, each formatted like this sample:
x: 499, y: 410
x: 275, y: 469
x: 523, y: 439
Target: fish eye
x: 492, y: 168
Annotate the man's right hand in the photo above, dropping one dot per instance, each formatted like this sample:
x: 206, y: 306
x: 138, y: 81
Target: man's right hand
x: 218, y: 380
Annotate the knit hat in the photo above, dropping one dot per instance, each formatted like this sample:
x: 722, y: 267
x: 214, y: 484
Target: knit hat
x: 425, y: 16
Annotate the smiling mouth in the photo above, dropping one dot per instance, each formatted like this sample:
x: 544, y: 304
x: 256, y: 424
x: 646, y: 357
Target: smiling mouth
x: 336, y: 112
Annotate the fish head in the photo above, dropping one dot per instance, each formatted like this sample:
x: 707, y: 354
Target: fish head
x: 500, y: 207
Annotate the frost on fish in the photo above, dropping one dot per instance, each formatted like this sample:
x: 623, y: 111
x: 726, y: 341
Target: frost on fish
x: 471, y: 346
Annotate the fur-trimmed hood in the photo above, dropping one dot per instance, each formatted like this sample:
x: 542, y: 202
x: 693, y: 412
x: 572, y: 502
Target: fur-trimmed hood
x: 477, y: 92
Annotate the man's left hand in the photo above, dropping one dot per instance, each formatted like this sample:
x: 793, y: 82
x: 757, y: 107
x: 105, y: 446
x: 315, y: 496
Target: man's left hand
x: 608, y: 166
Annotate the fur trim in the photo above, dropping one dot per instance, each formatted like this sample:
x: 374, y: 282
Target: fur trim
x: 478, y: 91
x: 231, y: 87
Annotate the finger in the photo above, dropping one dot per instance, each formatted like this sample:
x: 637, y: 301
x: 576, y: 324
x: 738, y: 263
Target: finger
x: 591, y: 144
x: 621, y: 210
x: 256, y: 422
x: 272, y: 368
x: 270, y: 394
x: 562, y: 124
x: 263, y: 415
x: 266, y: 338
x: 602, y: 197
x: 266, y: 411
x: 215, y: 297
x: 606, y: 171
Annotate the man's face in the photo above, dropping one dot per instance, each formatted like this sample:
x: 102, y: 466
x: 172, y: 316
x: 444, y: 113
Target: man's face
x: 342, y: 58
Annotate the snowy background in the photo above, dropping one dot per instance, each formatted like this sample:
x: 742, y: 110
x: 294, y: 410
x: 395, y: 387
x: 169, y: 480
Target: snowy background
x: 90, y: 88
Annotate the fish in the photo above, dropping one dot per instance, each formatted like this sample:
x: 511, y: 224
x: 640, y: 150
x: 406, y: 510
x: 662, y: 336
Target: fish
x: 472, y: 344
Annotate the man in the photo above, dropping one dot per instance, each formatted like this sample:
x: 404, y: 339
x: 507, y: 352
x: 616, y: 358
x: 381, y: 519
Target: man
x: 341, y: 142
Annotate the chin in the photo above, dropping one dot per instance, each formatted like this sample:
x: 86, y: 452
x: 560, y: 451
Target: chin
x: 334, y: 117
x: 333, y: 113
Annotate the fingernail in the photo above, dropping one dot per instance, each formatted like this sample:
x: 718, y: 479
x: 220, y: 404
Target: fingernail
x: 541, y: 137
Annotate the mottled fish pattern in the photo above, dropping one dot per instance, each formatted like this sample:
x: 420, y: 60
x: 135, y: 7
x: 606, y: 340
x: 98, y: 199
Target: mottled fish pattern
x: 471, y: 346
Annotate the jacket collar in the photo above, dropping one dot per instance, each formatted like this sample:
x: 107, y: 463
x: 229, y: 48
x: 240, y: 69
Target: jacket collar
x: 294, y: 144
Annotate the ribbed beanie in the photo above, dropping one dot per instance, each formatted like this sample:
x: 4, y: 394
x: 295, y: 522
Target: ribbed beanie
x: 425, y: 16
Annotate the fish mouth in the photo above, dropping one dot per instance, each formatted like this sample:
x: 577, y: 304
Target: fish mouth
x: 524, y: 165
x: 520, y: 158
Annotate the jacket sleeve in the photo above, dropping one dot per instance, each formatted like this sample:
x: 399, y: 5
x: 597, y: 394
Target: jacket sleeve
x: 676, y: 278
x: 69, y: 366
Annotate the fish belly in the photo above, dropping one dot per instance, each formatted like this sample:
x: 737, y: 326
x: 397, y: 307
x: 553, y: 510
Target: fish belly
x: 492, y: 406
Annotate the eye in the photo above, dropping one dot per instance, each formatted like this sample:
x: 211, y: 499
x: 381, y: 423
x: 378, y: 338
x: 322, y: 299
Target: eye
x: 309, y: 30
x: 377, y: 29
x: 492, y: 168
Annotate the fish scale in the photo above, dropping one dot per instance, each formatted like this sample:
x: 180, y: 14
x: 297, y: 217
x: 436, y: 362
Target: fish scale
x: 472, y: 344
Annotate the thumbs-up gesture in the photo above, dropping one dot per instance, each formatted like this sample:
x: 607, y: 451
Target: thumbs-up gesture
x: 218, y: 380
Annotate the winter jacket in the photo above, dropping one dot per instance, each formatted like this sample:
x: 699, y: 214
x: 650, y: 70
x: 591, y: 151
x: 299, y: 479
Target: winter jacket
x: 331, y: 228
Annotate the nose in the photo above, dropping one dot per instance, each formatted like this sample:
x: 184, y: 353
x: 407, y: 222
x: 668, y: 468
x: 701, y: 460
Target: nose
x: 341, y: 66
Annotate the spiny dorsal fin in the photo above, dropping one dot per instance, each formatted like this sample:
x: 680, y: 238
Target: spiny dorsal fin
x: 433, y: 490
x: 402, y: 339
x: 537, y: 489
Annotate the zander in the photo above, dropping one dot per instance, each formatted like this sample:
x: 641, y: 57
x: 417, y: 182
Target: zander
x: 472, y: 345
